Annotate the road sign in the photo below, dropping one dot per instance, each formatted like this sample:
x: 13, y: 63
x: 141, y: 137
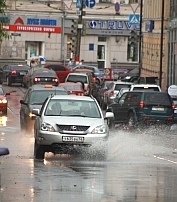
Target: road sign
x: 134, y: 19
x: 79, y: 4
x: 67, y: 3
x: 15, y: 34
x: 134, y: 7
x: 90, y: 3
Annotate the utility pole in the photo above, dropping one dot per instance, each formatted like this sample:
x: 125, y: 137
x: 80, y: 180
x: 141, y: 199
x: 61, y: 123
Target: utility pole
x: 140, y: 37
x: 79, y: 33
x: 63, y: 33
x: 161, y: 44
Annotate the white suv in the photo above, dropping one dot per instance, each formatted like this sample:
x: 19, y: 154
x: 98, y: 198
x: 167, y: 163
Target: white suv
x: 66, y: 123
x: 150, y: 87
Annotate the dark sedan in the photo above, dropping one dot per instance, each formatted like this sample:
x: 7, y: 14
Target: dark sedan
x: 33, y: 99
x: 39, y: 75
x: 13, y: 73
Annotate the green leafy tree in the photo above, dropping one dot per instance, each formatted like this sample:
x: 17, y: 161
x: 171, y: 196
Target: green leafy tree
x: 3, y: 21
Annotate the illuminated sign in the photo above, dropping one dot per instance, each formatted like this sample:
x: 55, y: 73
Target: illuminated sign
x: 26, y: 28
x: 43, y: 22
x: 111, y: 25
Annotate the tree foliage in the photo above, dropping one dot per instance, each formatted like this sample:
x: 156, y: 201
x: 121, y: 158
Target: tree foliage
x: 4, y: 20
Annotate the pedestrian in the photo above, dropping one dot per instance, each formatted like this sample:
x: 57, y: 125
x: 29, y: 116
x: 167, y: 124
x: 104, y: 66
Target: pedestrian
x: 81, y: 62
x: 70, y: 63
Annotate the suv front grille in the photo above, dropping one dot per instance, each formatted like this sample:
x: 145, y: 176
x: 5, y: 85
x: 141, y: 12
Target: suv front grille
x: 72, y: 127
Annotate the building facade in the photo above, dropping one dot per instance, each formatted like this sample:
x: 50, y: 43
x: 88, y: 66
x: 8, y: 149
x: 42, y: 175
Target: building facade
x: 105, y: 42
x: 152, y: 16
x: 172, y: 45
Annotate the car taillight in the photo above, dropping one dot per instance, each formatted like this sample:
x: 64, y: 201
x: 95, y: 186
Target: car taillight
x: 141, y: 104
x: 173, y: 106
x: 112, y: 92
x: 55, y: 80
x: 3, y: 101
x: 13, y: 72
x: 37, y: 79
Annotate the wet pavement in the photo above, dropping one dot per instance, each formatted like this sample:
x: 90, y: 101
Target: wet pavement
x: 140, y: 167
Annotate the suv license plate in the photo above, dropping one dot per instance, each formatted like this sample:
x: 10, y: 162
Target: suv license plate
x: 158, y: 108
x: 22, y: 73
x: 72, y: 139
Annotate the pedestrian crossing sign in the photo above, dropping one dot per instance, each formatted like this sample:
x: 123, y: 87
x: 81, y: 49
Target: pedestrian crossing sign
x: 134, y: 19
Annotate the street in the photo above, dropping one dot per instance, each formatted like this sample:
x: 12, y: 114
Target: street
x: 140, y: 167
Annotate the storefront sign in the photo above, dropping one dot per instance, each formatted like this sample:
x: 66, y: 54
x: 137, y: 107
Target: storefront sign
x: 37, y: 21
x: 111, y: 25
x: 25, y: 28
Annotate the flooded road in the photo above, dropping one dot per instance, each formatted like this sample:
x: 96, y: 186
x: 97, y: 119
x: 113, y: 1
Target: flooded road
x: 140, y: 167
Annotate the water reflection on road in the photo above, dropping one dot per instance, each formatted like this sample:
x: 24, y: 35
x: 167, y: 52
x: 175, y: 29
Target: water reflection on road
x: 140, y: 167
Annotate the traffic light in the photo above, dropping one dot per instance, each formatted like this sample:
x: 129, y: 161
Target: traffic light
x: 74, y: 27
x: 73, y: 44
x: 133, y: 39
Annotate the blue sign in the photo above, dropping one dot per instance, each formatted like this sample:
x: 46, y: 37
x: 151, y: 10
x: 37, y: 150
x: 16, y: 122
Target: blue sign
x: 91, y: 46
x: 134, y: 19
x: 92, y: 24
x: 90, y: 3
x: 117, y: 7
x: 36, y: 21
x: 79, y: 4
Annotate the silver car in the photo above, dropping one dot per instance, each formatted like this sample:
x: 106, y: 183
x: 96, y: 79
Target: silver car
x: 68, y: 122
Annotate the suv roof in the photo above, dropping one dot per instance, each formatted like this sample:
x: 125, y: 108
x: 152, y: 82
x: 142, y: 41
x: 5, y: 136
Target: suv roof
x: 144, y: 86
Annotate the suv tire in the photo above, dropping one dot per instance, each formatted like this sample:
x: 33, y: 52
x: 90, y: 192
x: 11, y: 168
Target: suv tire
x: 131, y: 121
x: 110, y: 123
x: 39, y: 153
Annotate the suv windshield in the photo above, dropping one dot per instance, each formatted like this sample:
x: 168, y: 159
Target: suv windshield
x: 38, y: 97
x: 77, y: 78
x: 69, y: 107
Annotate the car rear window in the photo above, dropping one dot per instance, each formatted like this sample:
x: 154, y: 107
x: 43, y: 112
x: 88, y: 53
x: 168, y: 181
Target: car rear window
x: 77, y: 78
x: 147, y: 88
x: 16, y: 67
x: 119, y: 86
x: 72, y: 87
x: 157, y: 98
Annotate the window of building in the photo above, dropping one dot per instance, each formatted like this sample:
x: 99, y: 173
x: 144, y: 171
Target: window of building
x: 101, y: 39
x: 133, y: 1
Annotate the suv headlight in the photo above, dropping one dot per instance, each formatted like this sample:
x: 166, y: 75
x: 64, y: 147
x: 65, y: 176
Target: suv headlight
x: 47, y: 127
x: 99, y: 129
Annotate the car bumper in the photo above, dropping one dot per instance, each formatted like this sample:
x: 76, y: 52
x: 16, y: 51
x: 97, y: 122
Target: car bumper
x: 160, y: 119
x: 49, y: 138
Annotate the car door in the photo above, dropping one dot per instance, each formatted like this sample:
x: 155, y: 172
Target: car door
x: 119, y: 109
x: 5, y: 72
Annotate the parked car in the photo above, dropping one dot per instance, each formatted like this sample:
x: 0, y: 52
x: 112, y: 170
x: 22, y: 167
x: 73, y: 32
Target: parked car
x: 149, y: 87
x: 73, y: 88
x: 140, y: 107
x: 33, y: 99
x: 3, y: 101
x: 39, y: 75
x: 112, y: 91
x: 13, y: 73
x: 61, y: 70
x: 77, y: 120
x: 130, y: 76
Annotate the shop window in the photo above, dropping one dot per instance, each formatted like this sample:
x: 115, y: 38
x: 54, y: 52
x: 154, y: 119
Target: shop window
x: 101, y: 39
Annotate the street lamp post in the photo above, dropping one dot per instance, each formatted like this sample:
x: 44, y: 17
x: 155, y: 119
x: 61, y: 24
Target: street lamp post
x: 161, y: 44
